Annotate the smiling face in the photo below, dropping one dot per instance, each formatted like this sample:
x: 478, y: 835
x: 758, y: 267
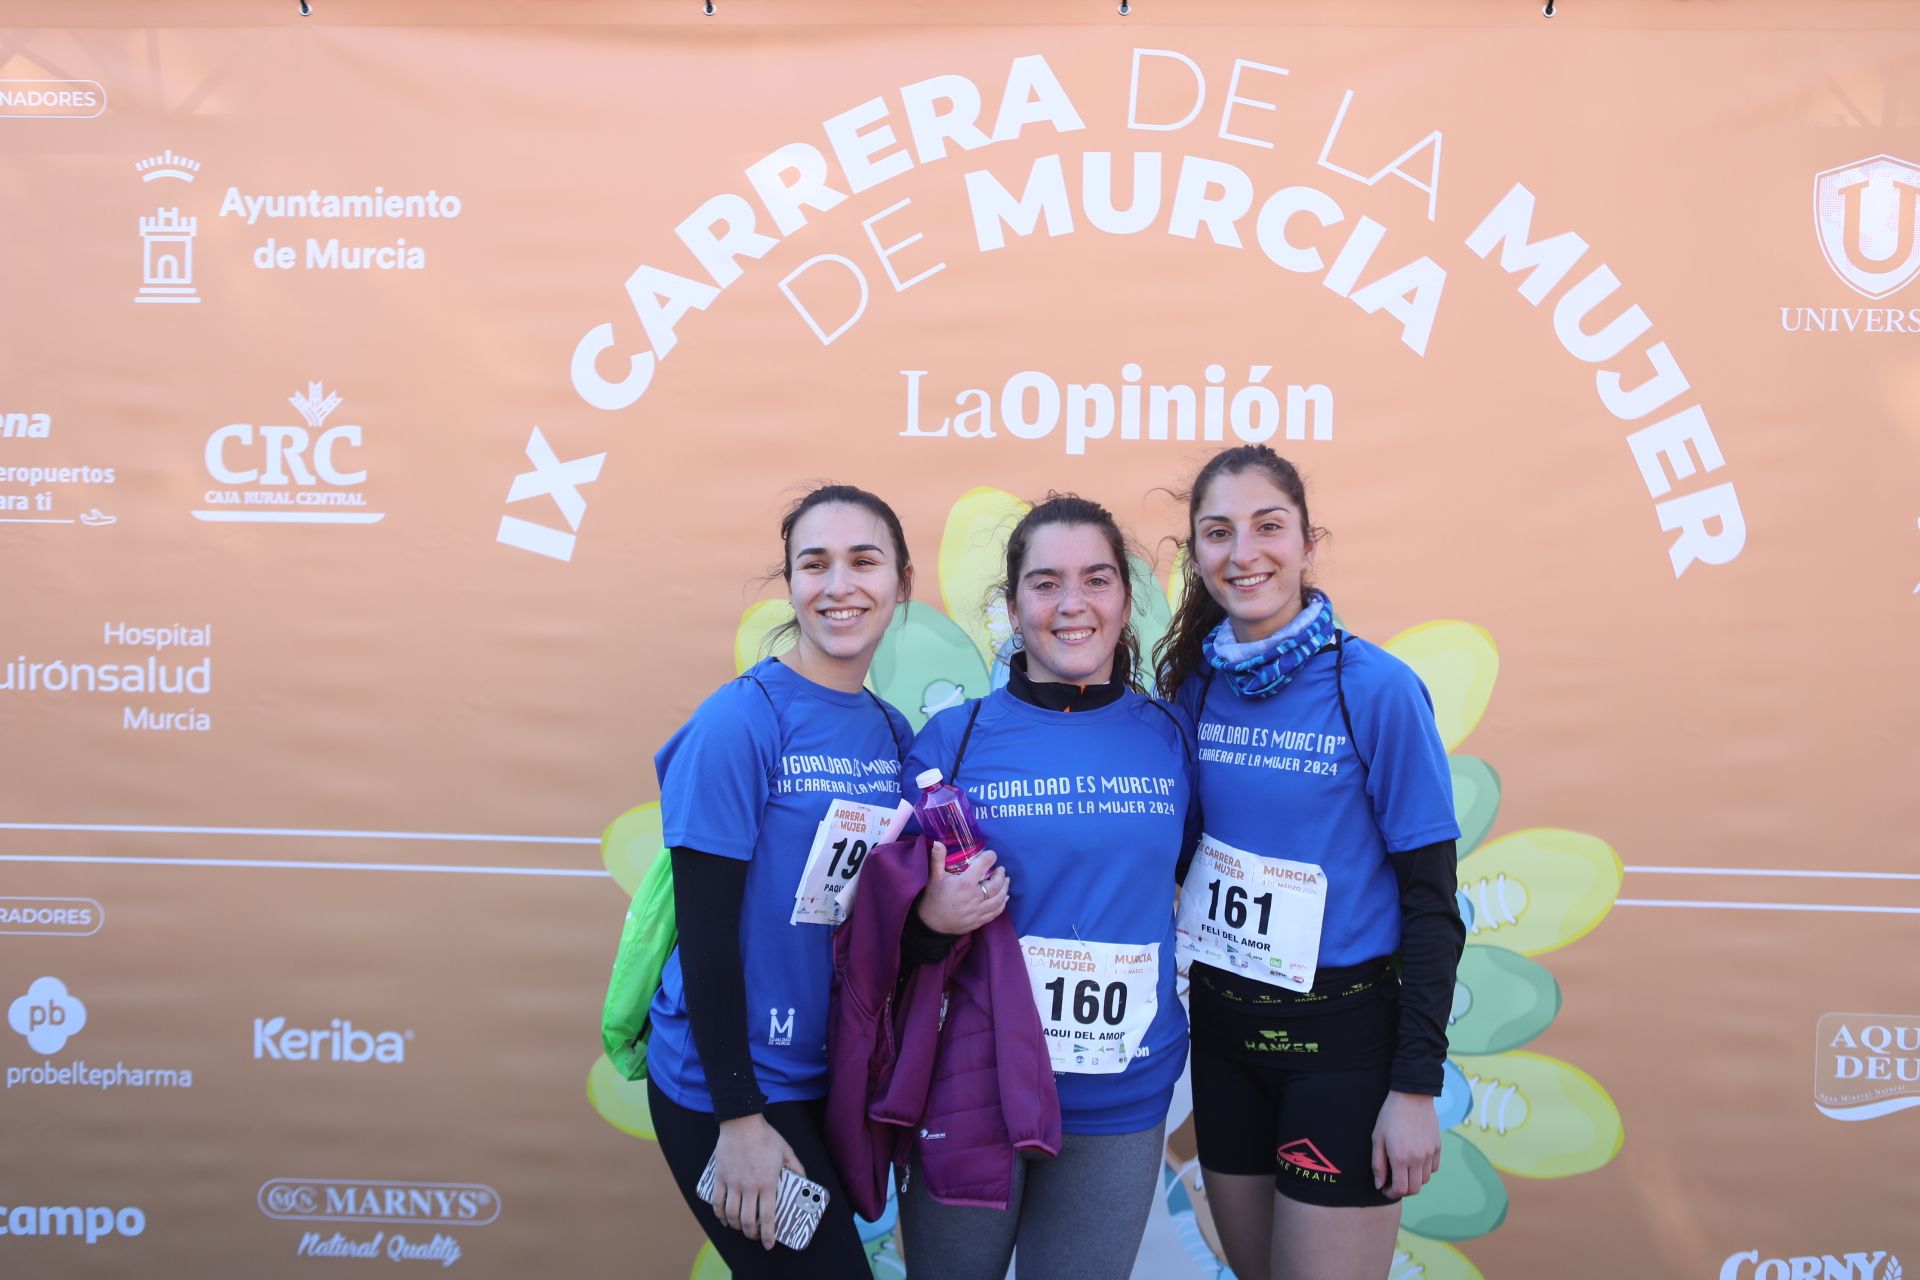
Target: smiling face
x: 1251, y: 550
x: 844, y: 580
x: 1070, y: 602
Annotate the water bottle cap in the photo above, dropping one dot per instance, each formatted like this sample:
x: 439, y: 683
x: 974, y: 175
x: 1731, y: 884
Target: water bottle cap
x: 927, y: 778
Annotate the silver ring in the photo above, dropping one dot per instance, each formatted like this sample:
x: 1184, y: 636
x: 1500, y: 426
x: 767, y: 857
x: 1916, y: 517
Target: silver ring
x: 984, y: 891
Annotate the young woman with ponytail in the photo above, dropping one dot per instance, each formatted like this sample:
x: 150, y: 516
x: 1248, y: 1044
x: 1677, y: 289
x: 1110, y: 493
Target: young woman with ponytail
x: 1324, y: 785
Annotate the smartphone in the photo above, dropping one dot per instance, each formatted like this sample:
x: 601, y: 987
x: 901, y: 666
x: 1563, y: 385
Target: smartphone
x: 799, y: 1204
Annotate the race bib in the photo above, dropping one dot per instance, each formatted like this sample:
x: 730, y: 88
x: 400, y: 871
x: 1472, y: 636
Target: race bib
x: 1252, y: 915
x: 1096, y: 999
x: 832, y: 874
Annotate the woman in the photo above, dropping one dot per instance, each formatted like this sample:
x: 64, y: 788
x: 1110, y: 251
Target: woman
x: 1080, y: 784
x: 1328, y: 847
x: 737, y: 1064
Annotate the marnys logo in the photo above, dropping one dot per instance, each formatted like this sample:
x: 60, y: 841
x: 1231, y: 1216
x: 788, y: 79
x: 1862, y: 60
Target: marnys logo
x: 1866, y: 1065
x: 453, y: 1204
x: 289, y: 474
x: 47, y: 1015
x: 1877, y: 1265
x: 338, y: 1041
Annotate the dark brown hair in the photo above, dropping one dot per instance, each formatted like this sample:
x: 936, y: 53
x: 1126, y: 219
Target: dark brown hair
x: 1179, y: 653
x: 1071, y: 509
x: 825, y: 495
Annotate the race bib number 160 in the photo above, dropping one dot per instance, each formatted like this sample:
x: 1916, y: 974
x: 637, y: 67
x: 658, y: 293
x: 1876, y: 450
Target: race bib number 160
x: 1096, y: 999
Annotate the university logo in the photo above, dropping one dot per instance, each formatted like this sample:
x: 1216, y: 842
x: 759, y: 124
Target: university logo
x: 1867, y: 216
x: 1866, y: 1065
x: 779, y: 1031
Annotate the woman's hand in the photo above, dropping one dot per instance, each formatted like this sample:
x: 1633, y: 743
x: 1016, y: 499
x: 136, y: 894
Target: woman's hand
x: 746, y: 1175
x: 962, y: 902
x: 1406, y: 1144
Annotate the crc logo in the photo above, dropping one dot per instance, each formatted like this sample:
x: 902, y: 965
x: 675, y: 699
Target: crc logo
x: 338, y: 1041
x: 289, y: 474
x: 451, y: 1204
x: 47, y: 1015
x: 1877, y: 1265
x: 1867, y: 216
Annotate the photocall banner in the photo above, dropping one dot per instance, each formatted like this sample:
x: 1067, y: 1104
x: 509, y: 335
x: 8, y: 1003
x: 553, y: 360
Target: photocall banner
x: 398, y: 406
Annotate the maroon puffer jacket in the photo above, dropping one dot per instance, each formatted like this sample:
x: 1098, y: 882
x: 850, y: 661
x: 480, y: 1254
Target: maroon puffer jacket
x: 965, y: 1087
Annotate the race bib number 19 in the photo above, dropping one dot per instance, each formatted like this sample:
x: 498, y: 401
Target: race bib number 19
x: 832, y: 874
x: 1252, y: 915
x: 1096, y: 999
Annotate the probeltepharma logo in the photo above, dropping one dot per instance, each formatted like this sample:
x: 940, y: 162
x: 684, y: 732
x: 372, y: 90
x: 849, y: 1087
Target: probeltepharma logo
x: 338, y: 1041
x: 48, y: 1015
x: 1876, y: 1264
x: 1866, y: 1065
x: 356, y: 1200
x: 1866, y: 217
x: 89, y: 1223
x: 310, y: 474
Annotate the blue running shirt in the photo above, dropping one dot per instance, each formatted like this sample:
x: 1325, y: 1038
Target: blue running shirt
x: 750, y: 776
x: 1278, y: 777
x: 1087, y: 810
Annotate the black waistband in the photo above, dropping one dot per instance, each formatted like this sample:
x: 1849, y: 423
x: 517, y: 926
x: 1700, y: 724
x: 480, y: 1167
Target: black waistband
x: 1332, y: 988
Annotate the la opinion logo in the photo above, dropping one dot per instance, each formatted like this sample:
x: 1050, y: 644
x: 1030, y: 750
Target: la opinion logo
x: 1867, y: 216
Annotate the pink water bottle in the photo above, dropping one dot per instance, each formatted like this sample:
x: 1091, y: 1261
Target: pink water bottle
x: 947, y: 816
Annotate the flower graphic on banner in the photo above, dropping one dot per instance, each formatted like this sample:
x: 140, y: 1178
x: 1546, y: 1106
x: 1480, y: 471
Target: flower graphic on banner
x: 1525, y: 893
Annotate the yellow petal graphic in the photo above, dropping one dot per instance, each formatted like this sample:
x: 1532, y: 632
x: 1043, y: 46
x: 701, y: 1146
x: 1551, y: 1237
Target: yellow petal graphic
x: 973, y: 557
x: 1459, y: 663
x: 630, y: 844
x: 1418, y: 1259
x: 622, y: 1103
x: 1539, y: 889
x: 1177, y: 579
x: 1539, y: 1117
x: 750, y: 637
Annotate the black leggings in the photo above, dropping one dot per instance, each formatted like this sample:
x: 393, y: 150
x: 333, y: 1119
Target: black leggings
x: 687, y: 1138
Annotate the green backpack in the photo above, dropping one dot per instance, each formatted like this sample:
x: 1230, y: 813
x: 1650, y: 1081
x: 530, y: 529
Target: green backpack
x: 646, y: 941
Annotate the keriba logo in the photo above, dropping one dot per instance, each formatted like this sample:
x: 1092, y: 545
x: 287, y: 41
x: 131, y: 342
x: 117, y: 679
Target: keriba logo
x: 1867, y: 216
x: 338, y: 1041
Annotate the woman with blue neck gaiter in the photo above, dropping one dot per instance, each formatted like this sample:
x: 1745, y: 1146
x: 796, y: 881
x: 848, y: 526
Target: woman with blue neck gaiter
x: 1328, y: 848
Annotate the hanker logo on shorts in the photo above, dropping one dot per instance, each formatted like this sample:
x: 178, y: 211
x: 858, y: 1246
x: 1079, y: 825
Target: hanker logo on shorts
x: 1749, y: 1265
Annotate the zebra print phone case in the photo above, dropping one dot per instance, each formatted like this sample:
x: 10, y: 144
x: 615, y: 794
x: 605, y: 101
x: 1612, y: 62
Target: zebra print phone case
x: 799, y: 1205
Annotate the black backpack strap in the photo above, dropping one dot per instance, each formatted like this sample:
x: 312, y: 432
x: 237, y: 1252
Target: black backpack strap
x: 1340, y: 691
x: 881, y: 707
x: 960, y: 752
x: 1186, y: 743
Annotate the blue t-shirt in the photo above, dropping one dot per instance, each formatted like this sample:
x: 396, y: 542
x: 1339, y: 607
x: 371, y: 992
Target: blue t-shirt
x: 1087, y: 811
x: 750, y: 776
x: 1279, y: 778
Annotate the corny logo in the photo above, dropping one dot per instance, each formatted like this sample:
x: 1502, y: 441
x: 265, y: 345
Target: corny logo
x: 46, y: 1015
x: 1876, y: 1264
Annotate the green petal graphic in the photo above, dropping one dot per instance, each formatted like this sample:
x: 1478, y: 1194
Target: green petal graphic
x: 973, y: 557
x: 926, y: 663
x: 1464, y: 1199
x: 1501, y: 1000
x: 1476, y: 799
x: 1539, y: 1117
